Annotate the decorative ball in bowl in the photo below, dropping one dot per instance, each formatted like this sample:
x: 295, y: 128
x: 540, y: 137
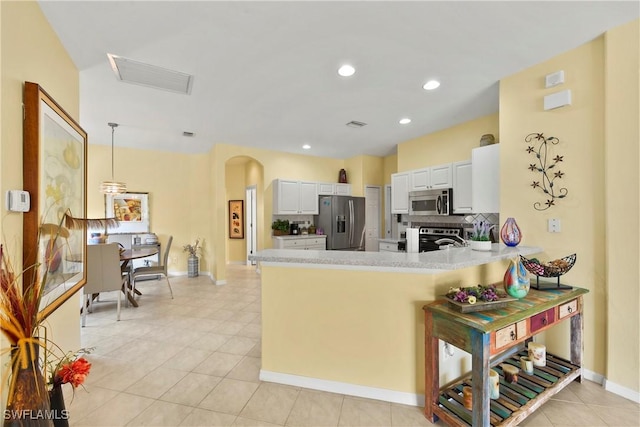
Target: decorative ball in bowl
x: 553, y: 268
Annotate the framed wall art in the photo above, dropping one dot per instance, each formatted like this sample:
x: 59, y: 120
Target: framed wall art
x: 236, y: 219
x: 131, y: 210
x: 55, y: 176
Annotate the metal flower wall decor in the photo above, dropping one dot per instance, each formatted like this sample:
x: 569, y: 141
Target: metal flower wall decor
x: 547, y: 167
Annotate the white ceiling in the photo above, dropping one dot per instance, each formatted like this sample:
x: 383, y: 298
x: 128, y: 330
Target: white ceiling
x: 265, y: 72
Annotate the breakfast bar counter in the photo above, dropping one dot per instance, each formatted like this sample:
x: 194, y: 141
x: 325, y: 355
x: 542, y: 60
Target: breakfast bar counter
x: 426, y: 262
x: 352, y: 322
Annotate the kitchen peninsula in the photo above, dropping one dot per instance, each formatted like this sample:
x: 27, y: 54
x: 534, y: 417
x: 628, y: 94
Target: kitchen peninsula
x: 352, y: 322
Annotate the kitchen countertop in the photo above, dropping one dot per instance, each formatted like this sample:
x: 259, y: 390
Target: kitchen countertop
x: 389, y: 240
x: 299, y: 236
x: 426, y: 262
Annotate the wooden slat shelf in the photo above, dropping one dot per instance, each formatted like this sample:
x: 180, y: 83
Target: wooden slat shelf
x: 515, y: 399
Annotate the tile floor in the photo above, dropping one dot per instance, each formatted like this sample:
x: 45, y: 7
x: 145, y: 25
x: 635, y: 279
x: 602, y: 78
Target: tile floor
x: 194, y: 361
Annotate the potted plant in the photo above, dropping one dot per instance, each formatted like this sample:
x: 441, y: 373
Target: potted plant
x: 280, y: 227
x: 481, y: 236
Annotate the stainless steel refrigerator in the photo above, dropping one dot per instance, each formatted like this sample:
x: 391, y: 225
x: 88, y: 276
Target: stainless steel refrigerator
x: 342, y: 220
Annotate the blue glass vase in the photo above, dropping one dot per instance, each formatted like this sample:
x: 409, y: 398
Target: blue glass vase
x: 510, y: 233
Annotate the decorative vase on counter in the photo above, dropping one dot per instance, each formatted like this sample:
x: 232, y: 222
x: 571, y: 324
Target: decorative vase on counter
x: 510, y: 233
x: 480, y: 245
x: 516, y: 279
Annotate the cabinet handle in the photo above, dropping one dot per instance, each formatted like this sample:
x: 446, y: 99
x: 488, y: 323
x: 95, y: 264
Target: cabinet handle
x: 513, y: 336
x: 570, y: 309
x: 544, y: 320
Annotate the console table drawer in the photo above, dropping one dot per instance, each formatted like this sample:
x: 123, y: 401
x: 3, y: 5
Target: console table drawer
x: 506, y: 336
x: 568, y: 309
x: 542, y: 320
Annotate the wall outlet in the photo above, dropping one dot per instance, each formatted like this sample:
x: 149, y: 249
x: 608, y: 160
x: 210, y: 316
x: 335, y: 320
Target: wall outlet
x: 554, y: 225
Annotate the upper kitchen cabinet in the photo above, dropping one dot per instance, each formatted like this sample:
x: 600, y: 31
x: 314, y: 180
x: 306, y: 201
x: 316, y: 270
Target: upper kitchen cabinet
x: 400, y: 193
x: 295, y: 197
x: 432, y: 178
x: 462, y: 187
x: 485, y: 175
x: 330, y: 189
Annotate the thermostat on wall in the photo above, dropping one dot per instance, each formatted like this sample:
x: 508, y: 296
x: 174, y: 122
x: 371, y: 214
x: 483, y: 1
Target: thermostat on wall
x: 18, y: 201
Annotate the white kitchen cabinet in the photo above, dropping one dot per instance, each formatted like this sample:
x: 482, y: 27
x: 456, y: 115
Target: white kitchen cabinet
x: 329, y: 189
x: 309, y: 242
x: 400, y: 193
x: 295, y: 197
x: 485, y: 175
x: 432, y: 178
x: 462, y: 187
x: 441, y: 177
x: 420, y: 179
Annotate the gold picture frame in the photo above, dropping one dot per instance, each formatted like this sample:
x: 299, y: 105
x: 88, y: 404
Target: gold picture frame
x: 236, y: 219
x: 55, y: 176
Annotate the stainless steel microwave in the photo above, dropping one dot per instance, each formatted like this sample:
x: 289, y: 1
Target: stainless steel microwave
x: 430, y: 202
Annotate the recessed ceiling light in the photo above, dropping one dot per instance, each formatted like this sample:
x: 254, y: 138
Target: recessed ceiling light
x: 431, y: 84
x: 346, y: 70
x: 306, y: 147
x: 405, y: 121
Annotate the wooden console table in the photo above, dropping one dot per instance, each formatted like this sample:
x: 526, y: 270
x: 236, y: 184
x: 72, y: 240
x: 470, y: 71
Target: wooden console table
x: 499, y: 336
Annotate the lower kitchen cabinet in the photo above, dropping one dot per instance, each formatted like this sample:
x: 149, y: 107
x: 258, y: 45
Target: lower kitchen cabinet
x: 311, y: 241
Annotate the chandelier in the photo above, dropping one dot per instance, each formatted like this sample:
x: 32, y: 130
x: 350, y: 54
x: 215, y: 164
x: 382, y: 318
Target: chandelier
x: 113, y: 187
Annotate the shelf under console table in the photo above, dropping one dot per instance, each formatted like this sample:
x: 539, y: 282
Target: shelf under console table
x: 499, y: 336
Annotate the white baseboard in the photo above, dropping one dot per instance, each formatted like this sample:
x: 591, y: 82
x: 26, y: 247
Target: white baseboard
x: 622, y: 391
x: 344, y: 388
x: 612, y: 387
x: 593, y: 376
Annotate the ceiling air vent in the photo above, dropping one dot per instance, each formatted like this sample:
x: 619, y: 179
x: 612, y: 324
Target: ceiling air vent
x: 130, y: 71
x: 356, y: 124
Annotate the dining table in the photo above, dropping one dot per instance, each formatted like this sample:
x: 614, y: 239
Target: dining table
x: 126, y: 256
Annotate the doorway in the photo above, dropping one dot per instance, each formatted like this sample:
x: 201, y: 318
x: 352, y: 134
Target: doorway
x: 372, y: 217
x: 251, y: 208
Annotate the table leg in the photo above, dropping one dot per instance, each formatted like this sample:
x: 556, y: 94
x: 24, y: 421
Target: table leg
x: 577, y: 343
x: 480, y: 378
x: 432, y: 368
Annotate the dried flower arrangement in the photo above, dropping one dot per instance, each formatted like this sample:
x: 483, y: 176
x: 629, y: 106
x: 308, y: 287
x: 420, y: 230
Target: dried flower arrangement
x: 193, y: 249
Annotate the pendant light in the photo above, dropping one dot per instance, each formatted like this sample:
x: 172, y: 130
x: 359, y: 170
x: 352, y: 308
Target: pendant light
x: 113, y: 187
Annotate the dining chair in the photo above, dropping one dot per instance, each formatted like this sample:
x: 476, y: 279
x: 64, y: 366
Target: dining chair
x: 156, y: 270
x: 103, y: 275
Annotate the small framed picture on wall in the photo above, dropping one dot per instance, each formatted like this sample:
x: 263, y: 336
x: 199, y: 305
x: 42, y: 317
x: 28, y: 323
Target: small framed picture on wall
x: 236, y: 219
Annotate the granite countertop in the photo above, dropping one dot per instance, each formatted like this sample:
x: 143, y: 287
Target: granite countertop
x: 427, y: 262
x: 299, y: 236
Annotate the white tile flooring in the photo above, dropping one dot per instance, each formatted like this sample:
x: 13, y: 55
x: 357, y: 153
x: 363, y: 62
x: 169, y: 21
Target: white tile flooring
x: 194, y: 361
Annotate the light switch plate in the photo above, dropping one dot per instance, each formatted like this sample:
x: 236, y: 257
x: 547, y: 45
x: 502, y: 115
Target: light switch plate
x: 554, y: 225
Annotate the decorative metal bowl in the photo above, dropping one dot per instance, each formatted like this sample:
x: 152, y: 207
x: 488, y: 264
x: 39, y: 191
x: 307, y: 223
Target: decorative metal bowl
x: 553, y: 268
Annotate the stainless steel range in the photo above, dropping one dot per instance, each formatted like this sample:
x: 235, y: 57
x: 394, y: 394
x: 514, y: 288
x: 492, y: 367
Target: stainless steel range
x: 432, y: 238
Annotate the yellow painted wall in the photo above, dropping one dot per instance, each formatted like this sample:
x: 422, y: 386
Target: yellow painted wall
x: 580, y: 128
x: 255, y: 176
x: 177, y: 185
x: 622, y: 195
x: 446, y: 146
x: 362, y: 171
x: 274, y: 165
x: 389, y: 166
x: 364, y: 328
x: 236, y: 185
x: 30, y: 51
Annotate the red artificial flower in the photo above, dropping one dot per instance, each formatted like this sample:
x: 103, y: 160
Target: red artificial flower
x: 74, y: 372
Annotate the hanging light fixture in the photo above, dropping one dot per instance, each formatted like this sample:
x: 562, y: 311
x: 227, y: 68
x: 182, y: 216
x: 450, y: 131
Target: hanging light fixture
x: 113, y: 187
